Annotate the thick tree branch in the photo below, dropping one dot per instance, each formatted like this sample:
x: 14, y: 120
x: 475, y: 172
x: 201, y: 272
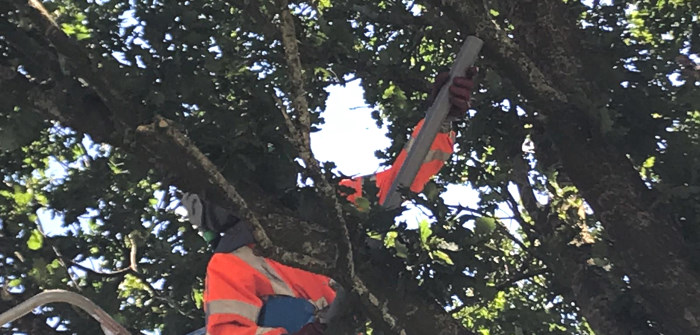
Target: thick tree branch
x: 301, y: 138
x: 296, y: 74
x: 501, y: 48
x: 75, y: 61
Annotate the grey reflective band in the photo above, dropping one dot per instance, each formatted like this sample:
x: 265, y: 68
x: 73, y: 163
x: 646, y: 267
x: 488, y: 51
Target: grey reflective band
x: 412, y: 140
x: 432, y: 154
x: 231, y: 306
x: 320, y: 303
x: 436, y: 155
x: 409, y: 144
x: 263, y: 330
x: 258, y: 263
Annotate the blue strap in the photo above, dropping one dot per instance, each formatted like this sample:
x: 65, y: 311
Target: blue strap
x: 286, y: 312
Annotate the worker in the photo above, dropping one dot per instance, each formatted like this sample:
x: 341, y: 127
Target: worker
x: 250, y: 295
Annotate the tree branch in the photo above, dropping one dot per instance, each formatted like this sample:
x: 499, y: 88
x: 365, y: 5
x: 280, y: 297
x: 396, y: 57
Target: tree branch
x: 301, y: 138
x: 521, y: 276
x: 502, y: 48
x: 115, y: 273
x: 58, y: 254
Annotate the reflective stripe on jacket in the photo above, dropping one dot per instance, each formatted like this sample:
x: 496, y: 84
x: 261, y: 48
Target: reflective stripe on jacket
x: 440, y: 151
x: 238, y: 283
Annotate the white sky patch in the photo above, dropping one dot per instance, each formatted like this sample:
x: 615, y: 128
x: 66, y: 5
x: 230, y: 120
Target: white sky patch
x: 349, y: 136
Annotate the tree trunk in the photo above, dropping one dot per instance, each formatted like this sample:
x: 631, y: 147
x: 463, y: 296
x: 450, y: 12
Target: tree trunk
x: 602, y: 298
x: 548, y: 68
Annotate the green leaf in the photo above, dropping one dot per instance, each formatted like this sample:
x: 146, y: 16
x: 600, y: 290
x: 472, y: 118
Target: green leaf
x: 431, y: 191
x: 15, y: 282
x: 22, y: 197
x: 442, y: 256
x: 362, y: 204
x: 649, y: 162
x: 484, y: 225
x: 35, y: 241
x: 94, y: 251
x: 401, y: 249
x: 323, y: 4
x: 198, y: 297
x: 424, y: 228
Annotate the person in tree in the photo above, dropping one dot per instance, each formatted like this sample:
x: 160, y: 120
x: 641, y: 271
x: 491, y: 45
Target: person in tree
x: 251, y: 295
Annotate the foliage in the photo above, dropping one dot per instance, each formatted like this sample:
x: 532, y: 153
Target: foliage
x: 84, y: 211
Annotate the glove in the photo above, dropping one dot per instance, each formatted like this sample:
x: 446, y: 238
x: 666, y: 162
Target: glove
x: 313, y: 328
x: 460, y: 92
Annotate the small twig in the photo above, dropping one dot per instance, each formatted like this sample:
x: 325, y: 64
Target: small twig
x: 133, y: 251
x: 522, y: 276
x: 157, y: 295
x: 88, y: 159
x: 58, y: 254
x: 116, y: 273
x: 129, y: 270
x: 503, y: 229
x: 465, y: 303
x: 287, y: 119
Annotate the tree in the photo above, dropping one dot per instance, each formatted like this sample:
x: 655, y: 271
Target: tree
x: 585, y: 134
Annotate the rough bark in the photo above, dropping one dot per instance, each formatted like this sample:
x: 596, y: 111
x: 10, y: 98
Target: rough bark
x: 647, y: 243
x: 603, y: 298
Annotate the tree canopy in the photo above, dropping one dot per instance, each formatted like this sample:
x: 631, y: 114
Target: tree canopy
x: 585, y: 131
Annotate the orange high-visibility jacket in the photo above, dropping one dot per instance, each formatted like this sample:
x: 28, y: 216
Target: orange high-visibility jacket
x: 440, y: 151
x: 238, y: 283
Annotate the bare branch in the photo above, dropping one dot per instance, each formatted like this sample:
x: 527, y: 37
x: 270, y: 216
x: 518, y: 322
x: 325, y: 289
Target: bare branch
x: 522, y: 276
x: 301, y: 137
x: 116, y: 273
x: 58, y: 254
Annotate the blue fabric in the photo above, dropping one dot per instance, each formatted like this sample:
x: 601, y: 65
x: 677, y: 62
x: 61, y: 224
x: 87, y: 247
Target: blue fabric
x: 287, y: 312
